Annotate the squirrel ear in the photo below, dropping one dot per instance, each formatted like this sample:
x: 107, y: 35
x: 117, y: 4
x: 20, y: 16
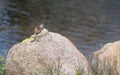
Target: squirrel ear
x: 42, y: 26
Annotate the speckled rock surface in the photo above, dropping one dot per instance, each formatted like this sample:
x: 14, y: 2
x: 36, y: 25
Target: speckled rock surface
x: 50, y: 54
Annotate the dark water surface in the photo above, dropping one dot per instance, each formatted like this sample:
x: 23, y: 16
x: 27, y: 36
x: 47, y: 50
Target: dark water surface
x: 89, y: 24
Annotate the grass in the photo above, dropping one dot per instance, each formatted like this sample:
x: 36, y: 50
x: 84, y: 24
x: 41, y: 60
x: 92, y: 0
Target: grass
x: 2, y: 66
x: 105, y: 68
x: 79, y: 73
x: 55, y: 69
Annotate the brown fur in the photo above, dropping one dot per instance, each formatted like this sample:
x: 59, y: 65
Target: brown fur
x: 38, y: 29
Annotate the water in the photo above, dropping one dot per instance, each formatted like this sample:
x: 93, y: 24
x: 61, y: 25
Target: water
x: 88, y: 24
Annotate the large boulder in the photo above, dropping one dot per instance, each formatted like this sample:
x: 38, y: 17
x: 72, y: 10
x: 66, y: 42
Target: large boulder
x: 49, y: 54
x: 107, y: 60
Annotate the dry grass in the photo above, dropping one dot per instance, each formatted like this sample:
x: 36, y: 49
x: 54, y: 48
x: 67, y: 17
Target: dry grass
x: 104, y: 68
x: 55, y: 69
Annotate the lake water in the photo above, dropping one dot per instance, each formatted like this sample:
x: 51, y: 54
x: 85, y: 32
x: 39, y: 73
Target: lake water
x: 89, y: 24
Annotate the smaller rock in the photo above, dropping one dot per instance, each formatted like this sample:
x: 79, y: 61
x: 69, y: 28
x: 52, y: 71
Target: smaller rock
x: 107, y: 60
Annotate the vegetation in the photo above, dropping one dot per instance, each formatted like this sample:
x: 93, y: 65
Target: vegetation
x: 2, y: 66
x: 79, y: 73
x: 56, y: 69
x: 105, y: 68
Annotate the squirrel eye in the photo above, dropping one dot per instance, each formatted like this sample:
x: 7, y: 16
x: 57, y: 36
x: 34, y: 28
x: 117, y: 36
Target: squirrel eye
x: 36, y: 33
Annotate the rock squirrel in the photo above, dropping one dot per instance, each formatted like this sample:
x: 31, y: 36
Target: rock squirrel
x: 38, y: 29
